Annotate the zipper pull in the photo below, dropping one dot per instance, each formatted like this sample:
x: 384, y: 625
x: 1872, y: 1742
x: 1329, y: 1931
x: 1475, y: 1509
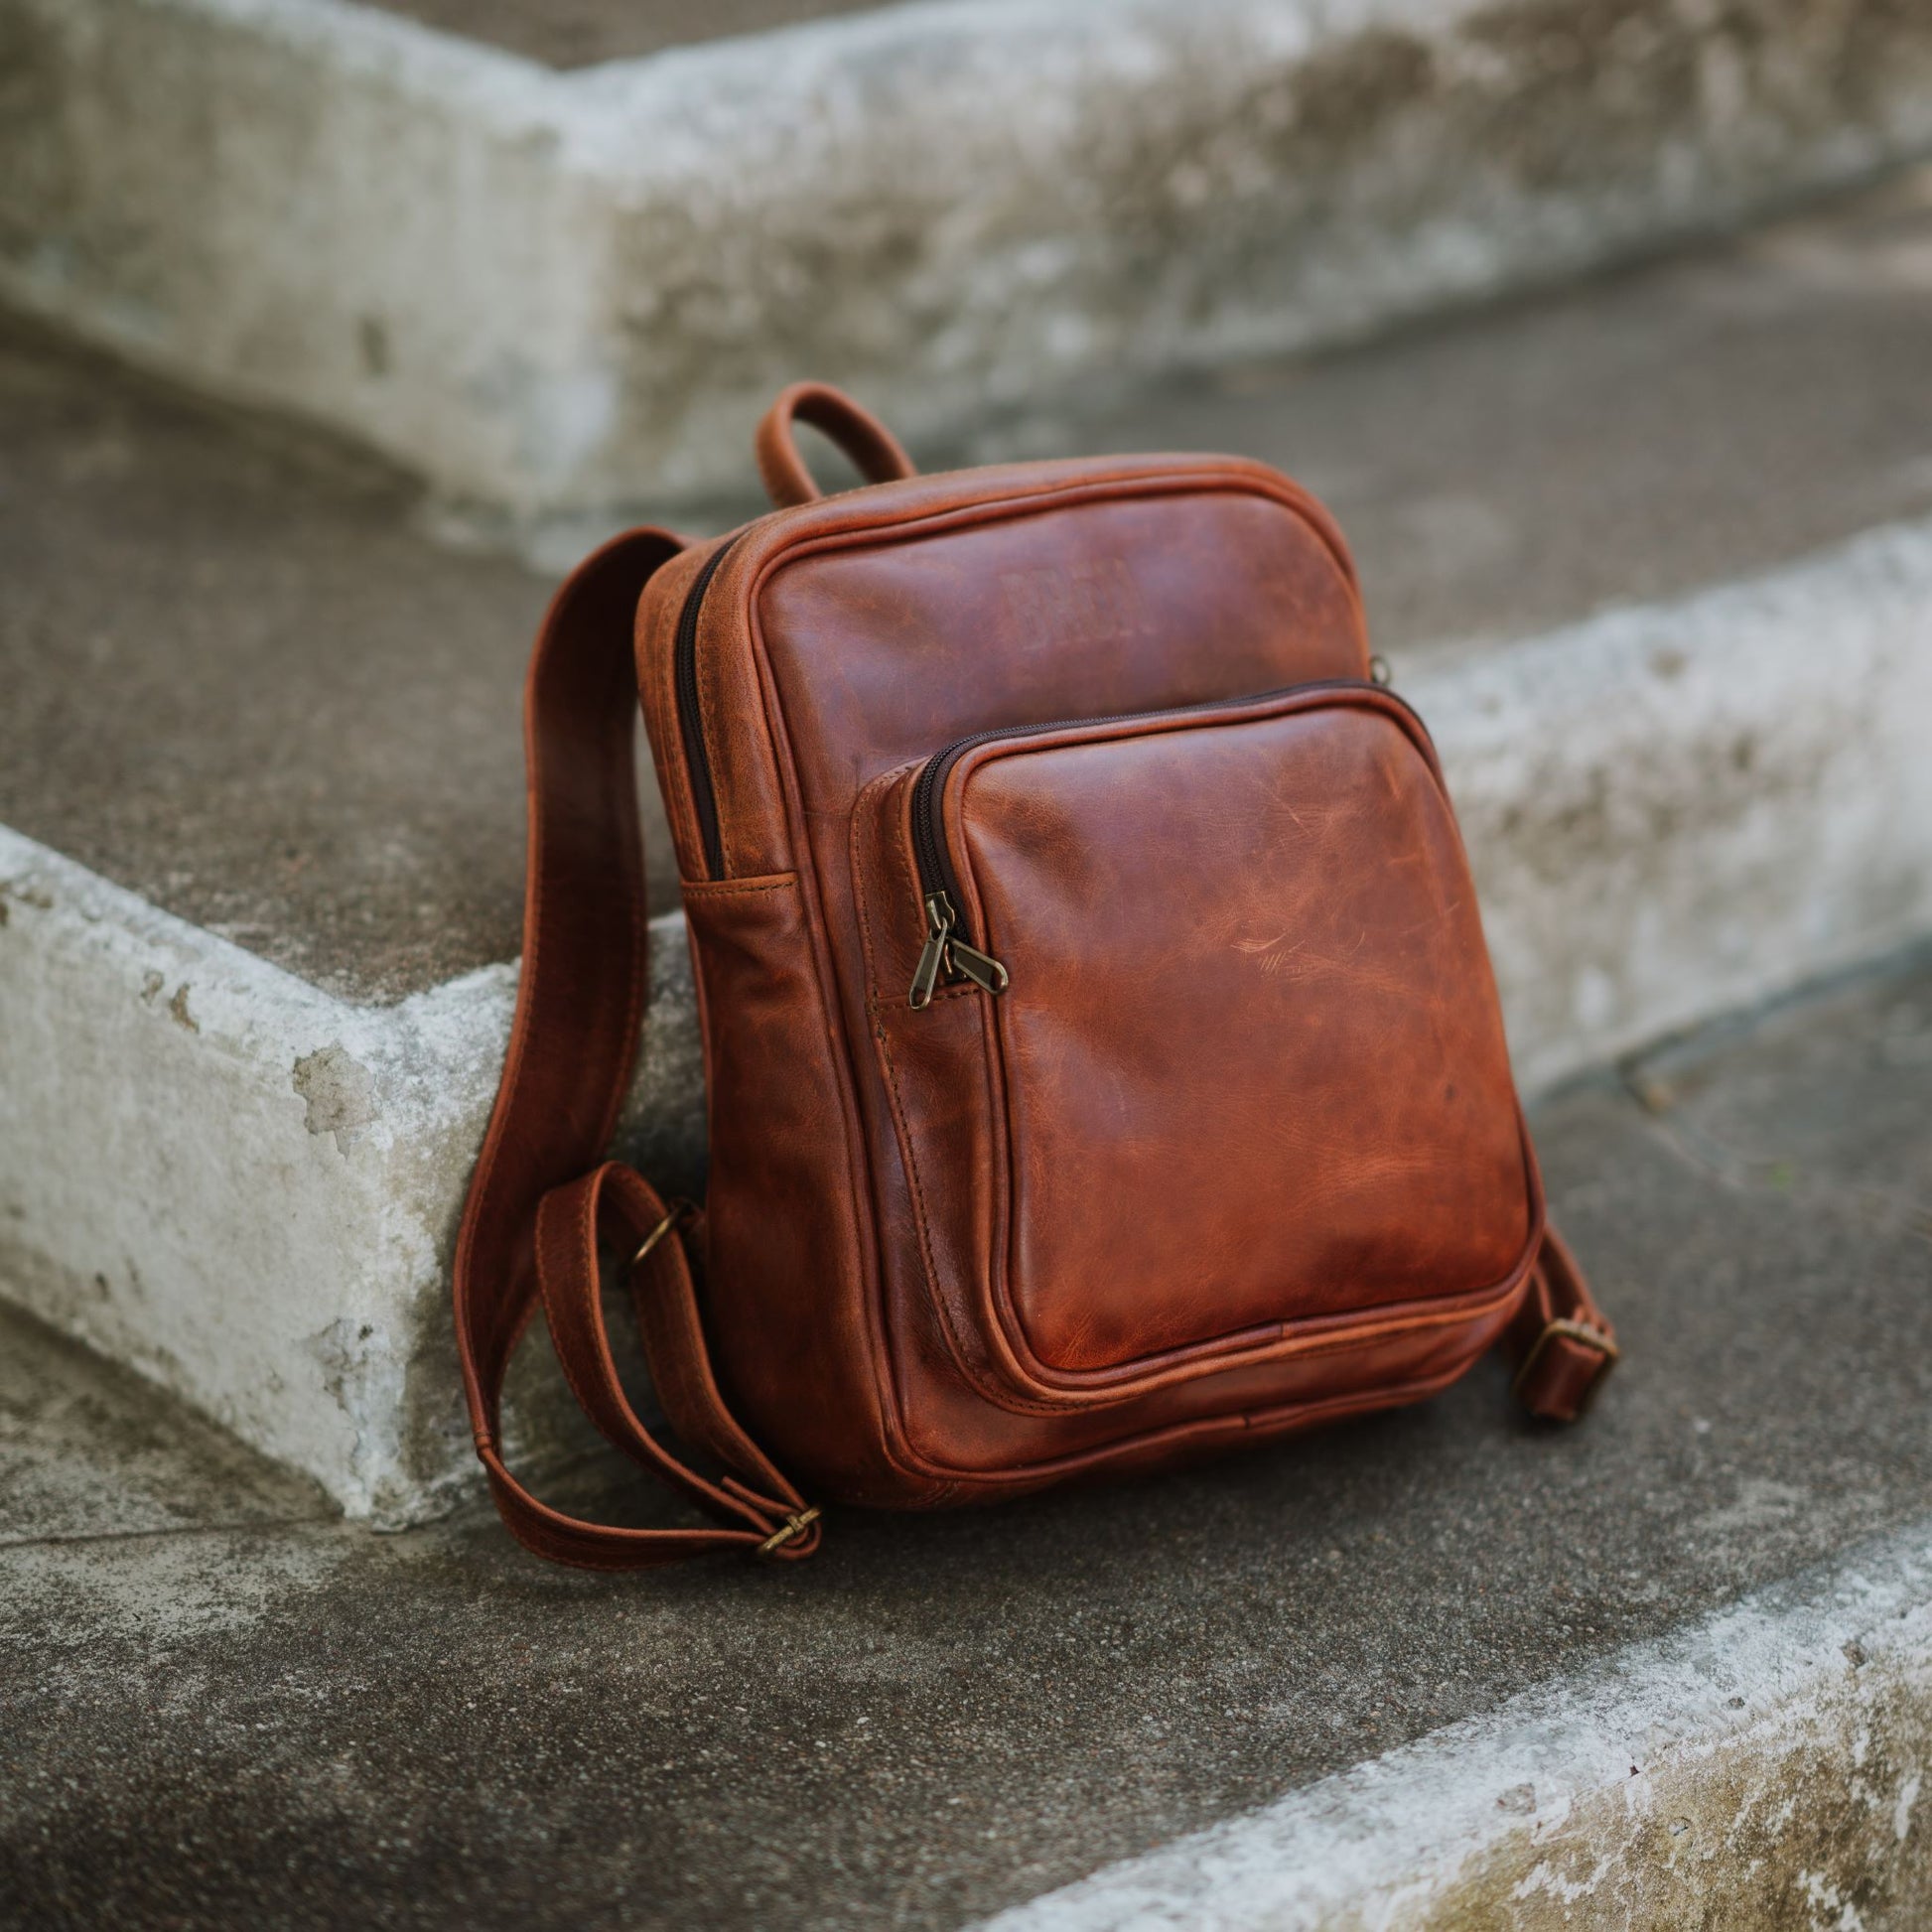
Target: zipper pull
x: 946, y: 952
x: 981, y: 968
x: 938, y: 929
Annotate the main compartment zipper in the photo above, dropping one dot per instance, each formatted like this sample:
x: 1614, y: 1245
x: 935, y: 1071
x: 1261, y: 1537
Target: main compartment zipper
x: 947, y: 953
x: 690, y: 716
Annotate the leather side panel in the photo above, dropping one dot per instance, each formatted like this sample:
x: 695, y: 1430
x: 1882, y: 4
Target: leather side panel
x: 783, y: 1271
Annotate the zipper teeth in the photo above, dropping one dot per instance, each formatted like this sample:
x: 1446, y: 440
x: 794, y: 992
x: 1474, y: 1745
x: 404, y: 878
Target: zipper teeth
x: 929, y: 836
x: 690, y: 719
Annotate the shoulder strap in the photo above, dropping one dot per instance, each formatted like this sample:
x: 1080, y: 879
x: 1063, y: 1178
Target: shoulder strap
x: 540, y: 1199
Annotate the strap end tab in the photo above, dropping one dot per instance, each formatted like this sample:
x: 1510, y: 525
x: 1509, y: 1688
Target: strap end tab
x: 1564, y: 1368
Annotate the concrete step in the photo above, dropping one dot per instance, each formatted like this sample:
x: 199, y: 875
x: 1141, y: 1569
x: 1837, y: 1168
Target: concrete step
x: 262, y: 892
x: 555, y: 291
x: 1670, y: 1669
x: 586, y: 33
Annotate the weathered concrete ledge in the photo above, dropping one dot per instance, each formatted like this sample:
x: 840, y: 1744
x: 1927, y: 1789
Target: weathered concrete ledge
x: 1681, y: 808
x: 249, y: 1187
x: 1766, y: 1758
x: 553, y: 293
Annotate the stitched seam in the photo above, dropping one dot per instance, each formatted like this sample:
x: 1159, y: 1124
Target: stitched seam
x: 862, y: 901
x: 1004, y: 1398
x: 1282, y: 1345
x: 710, y: 703
x: 727, y: 888
x: 1231, y: 1423
x: 680, y: 803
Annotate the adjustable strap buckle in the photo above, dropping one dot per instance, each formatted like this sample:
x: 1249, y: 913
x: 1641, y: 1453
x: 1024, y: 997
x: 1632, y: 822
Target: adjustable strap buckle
x: 1564, y: 1328
x: 793, y: 1526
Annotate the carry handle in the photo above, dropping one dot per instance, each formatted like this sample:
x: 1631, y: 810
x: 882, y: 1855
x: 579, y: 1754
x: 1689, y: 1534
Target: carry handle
x: 873, y: 449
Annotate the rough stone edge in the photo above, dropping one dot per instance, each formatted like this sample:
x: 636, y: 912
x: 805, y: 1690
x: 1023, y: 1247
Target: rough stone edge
x: 560, y: 295
x: 1682, y: 809
x: 248, y: 1190
x: 1761, y: 1766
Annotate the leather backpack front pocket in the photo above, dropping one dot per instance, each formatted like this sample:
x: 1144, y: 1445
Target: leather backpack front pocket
x: 1193, y: 1046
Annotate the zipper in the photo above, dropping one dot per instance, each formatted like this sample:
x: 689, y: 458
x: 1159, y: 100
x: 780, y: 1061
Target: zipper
x: 946, y: 949
x: 690, y: 719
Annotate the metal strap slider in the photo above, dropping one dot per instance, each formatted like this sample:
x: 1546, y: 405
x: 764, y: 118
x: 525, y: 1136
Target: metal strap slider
x: 794, y: 1526
x: 1565, y: 1330
x: 679, y: 1210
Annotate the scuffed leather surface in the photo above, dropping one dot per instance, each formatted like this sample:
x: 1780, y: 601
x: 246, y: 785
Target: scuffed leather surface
x: 887, y: 652
x: 1248, y: 978
x: 796, y: 1342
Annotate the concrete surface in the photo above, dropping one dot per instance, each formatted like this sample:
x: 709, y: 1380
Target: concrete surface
x: 226, y: 1709
x: 1761, y: 1767
x: 582, y: 33
x: 249, y: 1188
x: 241, y: 684
x: 1638, y: 436
x: 550, y: 294
x: 1675, y: 808
x: 242, y: 1098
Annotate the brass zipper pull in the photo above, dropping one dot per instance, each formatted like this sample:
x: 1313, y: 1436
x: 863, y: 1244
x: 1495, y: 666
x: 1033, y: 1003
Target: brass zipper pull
x: 938, y: 929
x: 946, y: 952
x: 981, y: 968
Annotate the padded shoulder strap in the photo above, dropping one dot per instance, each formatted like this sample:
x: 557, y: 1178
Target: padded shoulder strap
x: 542, y: 1194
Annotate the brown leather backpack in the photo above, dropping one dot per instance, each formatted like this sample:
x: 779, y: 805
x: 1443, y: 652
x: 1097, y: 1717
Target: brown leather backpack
x: 1104, y: 1065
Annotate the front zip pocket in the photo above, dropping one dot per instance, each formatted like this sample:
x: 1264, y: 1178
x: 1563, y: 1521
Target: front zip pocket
x: 1192, y: 1042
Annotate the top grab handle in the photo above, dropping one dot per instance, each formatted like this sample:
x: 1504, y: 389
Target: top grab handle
x: 873, y: 448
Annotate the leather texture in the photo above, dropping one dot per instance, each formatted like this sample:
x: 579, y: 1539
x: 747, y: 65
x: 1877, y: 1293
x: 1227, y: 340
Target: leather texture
x: 1213, y: 922
x: 1236, y: 1150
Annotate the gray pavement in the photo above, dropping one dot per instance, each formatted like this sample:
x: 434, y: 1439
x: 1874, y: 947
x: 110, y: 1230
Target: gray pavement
x: 579, y: 32
x: 240, y: 682
x: 221, y: 1708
